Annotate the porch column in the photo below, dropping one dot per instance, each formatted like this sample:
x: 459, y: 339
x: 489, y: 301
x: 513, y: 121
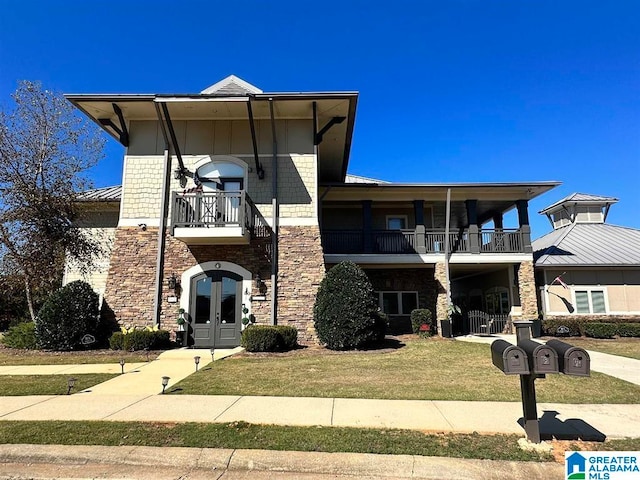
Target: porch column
x: 527, y: 291
x: 497, y: 221
x: 523, y: 220
x: 474, y: 233
x: 418, y: 207
x: 442, y: 302
x: 367, y: 228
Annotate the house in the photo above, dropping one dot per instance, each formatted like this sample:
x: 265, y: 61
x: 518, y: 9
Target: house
x: 234, y: 202
x: 585, y: 267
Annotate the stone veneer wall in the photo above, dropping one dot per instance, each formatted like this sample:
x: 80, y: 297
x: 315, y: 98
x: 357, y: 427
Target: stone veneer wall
x: 130, y: 291
x: 527, y: 289
x: 300, y: 270
x: 442, y: 302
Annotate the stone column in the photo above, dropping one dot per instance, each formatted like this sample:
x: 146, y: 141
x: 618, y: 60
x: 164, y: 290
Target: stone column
x: 442, y: 303
x: 527, y: 291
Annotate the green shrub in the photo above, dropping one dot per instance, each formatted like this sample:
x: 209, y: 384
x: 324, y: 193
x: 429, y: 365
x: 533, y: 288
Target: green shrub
x: 381, y: 325
x: 288, y: 337
x: 22, y: 335
x: 269, y: 338
x: 69, y: 314
x: 421, y: 316
x: 601, y: 330
x: 140, y: 340
x: 345, y: 313
x: 629, y: 329
x: 575, y: 327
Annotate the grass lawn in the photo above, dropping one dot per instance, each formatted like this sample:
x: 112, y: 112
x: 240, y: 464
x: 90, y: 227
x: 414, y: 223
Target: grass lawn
x: 625, y: 347
x: 10, y: 356
x: 427, y: 369
x: 271, y: 437
x: 14, y: 385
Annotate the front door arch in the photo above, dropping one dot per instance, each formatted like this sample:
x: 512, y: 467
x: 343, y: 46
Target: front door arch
x: 214, y: 295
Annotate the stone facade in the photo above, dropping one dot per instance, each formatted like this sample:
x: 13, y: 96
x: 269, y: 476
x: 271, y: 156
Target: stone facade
x: 300, y: 271
x: 527, y: 290
x: 442, y: 302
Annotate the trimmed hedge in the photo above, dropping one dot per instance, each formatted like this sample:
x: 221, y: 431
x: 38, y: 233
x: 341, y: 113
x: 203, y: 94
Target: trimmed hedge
x: 600, y: 330
x: 629, y: 329
x: 269, y: 338
x: 550, y: 327
x: 345, y: 313
x: 69, y: 314
x: 421, y: 316
x: 140, y: 340
x: 22, y: 335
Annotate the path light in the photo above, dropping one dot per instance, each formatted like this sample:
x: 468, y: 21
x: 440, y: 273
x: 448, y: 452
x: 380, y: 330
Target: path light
x: 165, y: 382
x: 70, y: 384
x: 197, y: 360
x: 213, y: 350
x: 122, y: 365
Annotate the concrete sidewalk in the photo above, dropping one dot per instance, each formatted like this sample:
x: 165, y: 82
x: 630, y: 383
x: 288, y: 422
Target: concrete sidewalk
x: 594, y: 422
x: 62, y: 461
x: 624, y: 368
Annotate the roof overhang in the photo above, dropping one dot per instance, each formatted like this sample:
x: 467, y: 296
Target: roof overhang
x: 333, y: 151
x: 493, y: 198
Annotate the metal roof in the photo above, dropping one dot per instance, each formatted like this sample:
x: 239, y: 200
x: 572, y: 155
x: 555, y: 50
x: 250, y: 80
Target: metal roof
x: 588, y: 244
x: 581, y: 198
x: 104, y: 194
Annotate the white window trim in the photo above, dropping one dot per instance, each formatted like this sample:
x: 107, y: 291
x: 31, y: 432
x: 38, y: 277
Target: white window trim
x: 589, y: 289
x: 404, y: 217
x: 399, y: 294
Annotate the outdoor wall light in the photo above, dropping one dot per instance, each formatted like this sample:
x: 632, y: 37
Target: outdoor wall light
x: 165, y: 382
x: 196, y: 359
x: 70, y: 384
x: 258, y: 280
x: 173, y: 283
x: 122, y: 365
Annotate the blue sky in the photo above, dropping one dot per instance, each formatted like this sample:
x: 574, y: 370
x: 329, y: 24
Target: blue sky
x: 450, y: 91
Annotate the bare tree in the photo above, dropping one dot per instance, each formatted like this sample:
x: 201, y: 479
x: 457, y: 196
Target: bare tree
x: 45, y: 152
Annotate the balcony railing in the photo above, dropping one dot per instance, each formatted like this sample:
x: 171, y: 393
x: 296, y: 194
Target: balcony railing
x: 432, y: 241
x: 218, y: 209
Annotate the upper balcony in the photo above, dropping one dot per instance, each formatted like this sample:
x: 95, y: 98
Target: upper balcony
x: 413, y: 241
x: 219, y: 217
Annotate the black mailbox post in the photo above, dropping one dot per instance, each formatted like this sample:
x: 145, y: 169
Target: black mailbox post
x: 510, y: 359
x: 571, y: 360
x: 532, y: 360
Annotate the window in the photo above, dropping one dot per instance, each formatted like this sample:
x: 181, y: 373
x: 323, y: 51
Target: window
x: 396, y: 222
x: 397, y: 303
x: 590, y: 301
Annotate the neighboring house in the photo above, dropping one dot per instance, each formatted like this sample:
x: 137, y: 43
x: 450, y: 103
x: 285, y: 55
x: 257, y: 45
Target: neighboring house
x: 234, y: 202
x: 586, y: 268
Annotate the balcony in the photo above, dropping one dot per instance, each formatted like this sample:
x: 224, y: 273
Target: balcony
x: 397, y: 242
x: 224, y: 217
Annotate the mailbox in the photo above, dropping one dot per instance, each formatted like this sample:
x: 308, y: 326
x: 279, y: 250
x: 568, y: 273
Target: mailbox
x: 510, y: 359
x: 571, y: 360
x: 542, y: 358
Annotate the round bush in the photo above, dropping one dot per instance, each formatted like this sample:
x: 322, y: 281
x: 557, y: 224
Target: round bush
x: 419, y: 317
x: 69, y: 314
x: 345, y: 312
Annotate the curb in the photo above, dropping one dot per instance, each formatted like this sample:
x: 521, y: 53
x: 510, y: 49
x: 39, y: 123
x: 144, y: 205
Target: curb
x: 273, y: 462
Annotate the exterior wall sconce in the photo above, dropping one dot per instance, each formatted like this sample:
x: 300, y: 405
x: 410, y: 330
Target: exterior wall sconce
x: 260, y: 285
x: 173, y: 284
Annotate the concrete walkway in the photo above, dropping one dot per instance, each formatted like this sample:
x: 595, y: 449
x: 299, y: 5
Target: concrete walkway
x: 624, y: 368
x: 594, y: 422
x: 139, y: 378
